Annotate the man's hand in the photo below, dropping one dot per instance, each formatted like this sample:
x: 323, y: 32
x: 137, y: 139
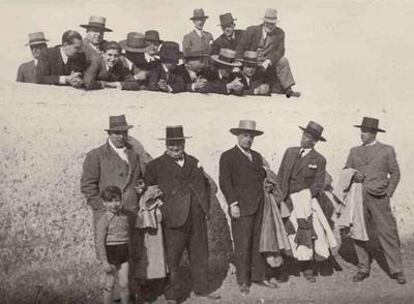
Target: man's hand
x: 235, y: 211
x: 359, y: 177
x: 263, y: 89
x: 334, y: 251
x: 141, y: 75
x: 74, y: 79
x: 162, y: 84
x: 265, y: 64
x: 200, y: 83
x: 235, y: 85
x: 108, y: 268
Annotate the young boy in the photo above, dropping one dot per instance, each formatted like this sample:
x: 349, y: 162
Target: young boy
x: 112, y: 244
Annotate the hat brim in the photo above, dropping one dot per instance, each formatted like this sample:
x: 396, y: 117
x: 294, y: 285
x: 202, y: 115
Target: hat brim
x: 372, y: 129
x: 274, y: 21
x: 196, y: 18
x: 174, y: 138
x: 237, y: 131
x: 154, y: 40
x: 227, y: 23
x: 250, y: 62
x: 37, y: 42
x: 121, y: 128
x: 123, y: 44
x: 317, y: 137
x: 234, y: 64
x: 87, y: 26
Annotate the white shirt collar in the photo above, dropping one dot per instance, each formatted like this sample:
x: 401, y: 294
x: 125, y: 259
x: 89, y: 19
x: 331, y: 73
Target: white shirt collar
x: 120, y: 151
x: 128, y: 63
x: 165, y: 68
x: 248, y: 153
x: 231, y: 37
x: 193, y: 75
x: 199, y: 33
x: 180, y: 162
x: 65, y: 58
x: 35, y: 61
x: 149, y: 58
x: 264, y: 33
x: 371, y: 144
x: 305, y: 151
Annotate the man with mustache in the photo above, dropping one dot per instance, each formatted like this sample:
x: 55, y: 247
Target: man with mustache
x: 92, y: 43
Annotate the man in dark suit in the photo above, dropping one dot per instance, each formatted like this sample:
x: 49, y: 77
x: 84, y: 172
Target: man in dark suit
x: 230, y: 37
x: 241, y: 180
x: 186, y: 207
x: 253, y: 79
x: 269, y: 41
x: 379, y: 173
x: 302, y: 168
x: 92, y: 43
x: 27, y: 70
x: 194, y: 72
x: 164, y: 77
x: 198, y: 39
x: 62, y: 64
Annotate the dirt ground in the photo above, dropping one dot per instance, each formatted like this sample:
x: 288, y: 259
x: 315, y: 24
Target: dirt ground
x: 350, y: 59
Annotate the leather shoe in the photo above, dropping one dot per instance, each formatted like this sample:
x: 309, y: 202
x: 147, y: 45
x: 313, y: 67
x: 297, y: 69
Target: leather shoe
x: 399, y: 277
x: 244, y: 289
x: 267, y: 283
x: 360, y: 276
x: 291, y: 93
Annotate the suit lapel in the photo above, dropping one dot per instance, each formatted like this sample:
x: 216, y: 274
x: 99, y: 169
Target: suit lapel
x: 293, y: 157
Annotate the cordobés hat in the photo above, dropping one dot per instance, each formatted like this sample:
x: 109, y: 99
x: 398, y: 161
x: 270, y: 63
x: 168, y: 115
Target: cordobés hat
x: 246, y: 126
x: 315, y: 130
x: 270, y: 15
x: 198, y: 13
x: 36, y: 38
x: 118, y: 123
x: 226, y: 57
x: 250, y: 57
x: 96, y: 22
x: 174, y: 133
x: 134, y: 43
x: 152, y: 35
x: 370, y: 124
x: 226, y: 18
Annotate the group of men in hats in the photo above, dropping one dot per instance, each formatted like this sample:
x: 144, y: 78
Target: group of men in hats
x: 238, y: 62
x: 244, y: 179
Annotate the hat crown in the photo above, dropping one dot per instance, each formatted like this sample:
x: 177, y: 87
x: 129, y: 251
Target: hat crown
x: 314, y: 129
x: 170, y: 50
x: 97, y: 19
x: 198, y: 13
x: 194, y: 53
x: 370, y: 123
x: 247, y: 124
x: 36, y: 36
x: 174, y: 132
x: 118, y: 123
x: 136, y: 40
x: 152, y: 35
x: 250, y: 56
x: 226, y: 18
x: 270, y: 15
x: 227, y: 53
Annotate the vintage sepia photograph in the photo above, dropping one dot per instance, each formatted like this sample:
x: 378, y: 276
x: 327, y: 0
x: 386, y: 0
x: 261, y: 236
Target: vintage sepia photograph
x: 195, y: 152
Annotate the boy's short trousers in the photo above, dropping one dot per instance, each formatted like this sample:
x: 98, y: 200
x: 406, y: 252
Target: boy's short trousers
x: 117, y: 254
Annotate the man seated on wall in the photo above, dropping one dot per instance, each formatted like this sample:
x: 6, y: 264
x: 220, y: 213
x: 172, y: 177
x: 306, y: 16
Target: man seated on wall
x: 253, y: 79
x: 109, y: 72
x: 63, y: 64
x: 164, y: 78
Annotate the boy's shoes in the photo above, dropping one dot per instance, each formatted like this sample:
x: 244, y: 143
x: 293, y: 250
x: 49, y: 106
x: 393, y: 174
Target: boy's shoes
x: 360, y: 276
x: 399, y: 277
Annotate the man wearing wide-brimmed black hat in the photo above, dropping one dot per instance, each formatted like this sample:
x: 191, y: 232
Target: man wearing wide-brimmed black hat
x: 164, y: 77
x: 187, y: 205
x: 194, y: 72
x: 27, y: 70
x: 94, y: 38
x: 230, y: 37
x: 198, y: 39
x: 378, y: 171
x: 301, y: 179
x: 241, y: 180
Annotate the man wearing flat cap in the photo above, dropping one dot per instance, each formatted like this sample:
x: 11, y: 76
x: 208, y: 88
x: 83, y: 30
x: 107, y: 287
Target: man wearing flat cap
x: 230, y: 37
x: 27, y: 70
x: 301, y: 179
x: 95, y: 30
x: 268, y: 41
x: 377, y: 169
x: 186, y: 207
x: 241, y: 177
x: 198, y: 39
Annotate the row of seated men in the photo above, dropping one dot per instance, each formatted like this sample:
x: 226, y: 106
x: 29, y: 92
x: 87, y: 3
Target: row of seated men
x: 249, y: 62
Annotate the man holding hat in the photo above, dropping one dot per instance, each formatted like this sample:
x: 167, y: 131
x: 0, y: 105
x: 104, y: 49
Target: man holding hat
x: 63, y: 64
x: 230, y: 37
x: 268, y: 41
x: 164, y: 78
x: 241, y: 177
x: 378, y: 171
x: 27, y: 70
x: 186, y: 207
x: 222, y: 80
x: 300, y: 180
x: 198, y: 39
x: 95, y: 30
x: 254, y: 80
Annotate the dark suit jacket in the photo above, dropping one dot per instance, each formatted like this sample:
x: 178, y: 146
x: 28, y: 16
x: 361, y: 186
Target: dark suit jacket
x: 217, y: 85
x: 251, y: 38
x: 51, y: 66
x: 97, y: 72
x: 173, y: 80
x: 242, y: 180
x: 185, y: 75
x: 311, y: 172
x: 379, y: 164
x: 222, y: 42
x: 255, y: 81
x: 103, y: 167
x: 27, y: 72
x: 180, y: 185
x: 193, y: 42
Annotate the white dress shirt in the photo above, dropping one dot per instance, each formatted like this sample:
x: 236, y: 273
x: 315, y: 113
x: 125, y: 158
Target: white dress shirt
x: 65, y: 58
x: 303, y: 152
x: 120, y: 151
x: 247, y: 153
